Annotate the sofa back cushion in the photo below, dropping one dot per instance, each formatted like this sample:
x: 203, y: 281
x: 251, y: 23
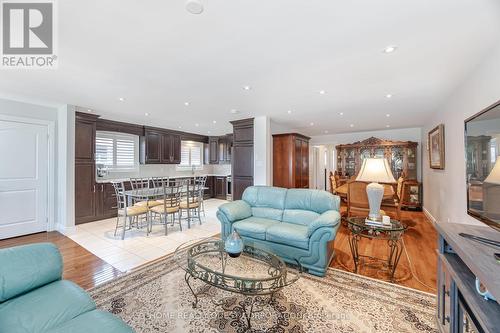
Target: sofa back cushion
x: 24, y: 268
x: 266, y: 201
x: 299, y: 216
x: 311, y: 200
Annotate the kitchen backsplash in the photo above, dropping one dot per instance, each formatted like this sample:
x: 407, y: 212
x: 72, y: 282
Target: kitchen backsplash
x: 168, y: 170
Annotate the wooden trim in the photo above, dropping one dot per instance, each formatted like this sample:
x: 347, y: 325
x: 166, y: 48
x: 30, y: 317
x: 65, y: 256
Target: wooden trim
x: 442, y: 155
x: 293, y: 134
x: 376, y: 142
x: 117, y: 126
x: 86, y: 116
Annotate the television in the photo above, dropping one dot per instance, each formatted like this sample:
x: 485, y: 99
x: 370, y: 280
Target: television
x: 482, y: 150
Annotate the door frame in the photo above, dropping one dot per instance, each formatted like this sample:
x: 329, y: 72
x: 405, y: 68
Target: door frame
x: 50, y: 124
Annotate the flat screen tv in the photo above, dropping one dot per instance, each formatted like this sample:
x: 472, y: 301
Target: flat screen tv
x: 482, y: 149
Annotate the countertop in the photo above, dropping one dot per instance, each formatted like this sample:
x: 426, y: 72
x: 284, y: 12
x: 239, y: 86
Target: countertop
x: 109, y: 180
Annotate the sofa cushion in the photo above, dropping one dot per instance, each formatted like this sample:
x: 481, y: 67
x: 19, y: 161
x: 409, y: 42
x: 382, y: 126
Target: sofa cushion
x: 299, y: 216
x: 95, y: 321
x: 265, y: 196
x: 312, y: 200
x: 267, y: 213
x: 236, y: 210
x: 288, y: 234
x: 254, y: 227
x: 26, y: 267
x: 44, y: 308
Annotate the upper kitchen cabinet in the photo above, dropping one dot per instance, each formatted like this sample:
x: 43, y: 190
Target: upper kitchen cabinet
x: 213, y: 150
x: 85, y: 137
x: 160, y: 147
x: 220, y: 149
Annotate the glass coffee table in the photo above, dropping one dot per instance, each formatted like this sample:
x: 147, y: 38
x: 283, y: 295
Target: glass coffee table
x: 392, y: 233
x: 256, y: 274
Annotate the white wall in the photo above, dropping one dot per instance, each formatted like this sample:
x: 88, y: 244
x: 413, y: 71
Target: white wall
x: 47, y: 113
x: 262, y: 151
x: 445, y: 190
x: 404, y: 134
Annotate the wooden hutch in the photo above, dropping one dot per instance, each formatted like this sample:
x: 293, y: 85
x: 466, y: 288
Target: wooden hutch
x: 291, y: 160
x: 402, y: 156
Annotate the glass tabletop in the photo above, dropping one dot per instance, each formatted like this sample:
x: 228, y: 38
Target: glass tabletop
x: 360, y: 222
x: 255, y: 272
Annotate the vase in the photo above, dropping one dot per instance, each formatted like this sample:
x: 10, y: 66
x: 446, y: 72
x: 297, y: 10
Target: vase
x: 233, y: 245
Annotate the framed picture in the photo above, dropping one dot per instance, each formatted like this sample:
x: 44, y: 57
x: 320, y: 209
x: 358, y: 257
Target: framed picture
x: 436, y: 147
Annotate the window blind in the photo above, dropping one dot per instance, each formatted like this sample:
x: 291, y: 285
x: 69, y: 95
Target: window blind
x: 191, y: 154
x: 117, y: 151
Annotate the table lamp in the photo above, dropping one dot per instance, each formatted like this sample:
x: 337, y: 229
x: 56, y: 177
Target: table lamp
x: 375, y: 171
x: 491, y: 193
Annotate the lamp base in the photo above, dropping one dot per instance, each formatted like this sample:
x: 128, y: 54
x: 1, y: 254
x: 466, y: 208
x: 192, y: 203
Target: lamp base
x: 375, y: 193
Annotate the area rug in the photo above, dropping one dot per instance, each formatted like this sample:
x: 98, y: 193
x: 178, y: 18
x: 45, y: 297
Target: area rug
x: 155, y: 298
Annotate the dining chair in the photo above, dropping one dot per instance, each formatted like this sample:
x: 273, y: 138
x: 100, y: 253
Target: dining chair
x: 202, y: 181
x: 125, y: 212
x: 169, y: 204
x: 357, y: 200
x: 139, y: 184
x: 191, y: 200
x: 159, y: 181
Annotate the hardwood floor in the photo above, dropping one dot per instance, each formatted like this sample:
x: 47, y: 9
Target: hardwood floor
x: 420, y: 240
x: 80, y: 265
x: 418, y: 264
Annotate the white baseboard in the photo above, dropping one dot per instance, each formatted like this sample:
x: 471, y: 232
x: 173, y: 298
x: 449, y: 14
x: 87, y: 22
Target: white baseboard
x: 429, y: 216
x: 65, y: 230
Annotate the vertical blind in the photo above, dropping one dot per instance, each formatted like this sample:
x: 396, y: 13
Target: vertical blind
x: 117, y: 150
x: 191, y: 154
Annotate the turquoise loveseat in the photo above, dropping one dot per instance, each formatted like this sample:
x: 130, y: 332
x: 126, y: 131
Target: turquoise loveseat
x: 296, y: 224
x: 33, y: 298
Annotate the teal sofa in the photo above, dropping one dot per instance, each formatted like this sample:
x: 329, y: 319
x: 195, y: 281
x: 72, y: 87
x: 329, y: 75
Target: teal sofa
x: 34, y: 298
x: 298, y: 225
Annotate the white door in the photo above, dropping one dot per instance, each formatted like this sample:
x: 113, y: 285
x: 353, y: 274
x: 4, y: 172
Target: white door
x: 24, y: 167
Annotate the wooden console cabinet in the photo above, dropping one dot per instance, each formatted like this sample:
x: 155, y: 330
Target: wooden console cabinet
x: 460, y: 308
x: 291, y: 160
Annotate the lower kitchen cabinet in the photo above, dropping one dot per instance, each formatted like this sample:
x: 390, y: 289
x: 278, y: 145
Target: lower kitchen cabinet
x: 209, y: 193
x: 95, y: 201
x: 220, y: 188
x: 106, y: 204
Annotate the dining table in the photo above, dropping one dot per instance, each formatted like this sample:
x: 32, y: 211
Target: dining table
x: 342, y: 190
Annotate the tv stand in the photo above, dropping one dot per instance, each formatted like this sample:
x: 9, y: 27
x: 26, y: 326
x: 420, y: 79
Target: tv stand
x: 460, y: 308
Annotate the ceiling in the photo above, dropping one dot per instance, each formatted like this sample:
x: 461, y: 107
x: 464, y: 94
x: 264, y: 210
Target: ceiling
x: 157, y: 56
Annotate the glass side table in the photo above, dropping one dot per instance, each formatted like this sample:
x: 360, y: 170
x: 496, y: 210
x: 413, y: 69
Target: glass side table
x: 393, y: 233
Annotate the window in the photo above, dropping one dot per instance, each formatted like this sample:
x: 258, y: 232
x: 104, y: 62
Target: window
x: 191, y: 154
x: 117, y: 151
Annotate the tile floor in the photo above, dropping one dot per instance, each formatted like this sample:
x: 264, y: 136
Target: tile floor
x: 138, y: 248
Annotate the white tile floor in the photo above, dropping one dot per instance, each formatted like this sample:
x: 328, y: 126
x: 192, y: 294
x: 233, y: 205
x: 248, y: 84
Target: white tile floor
x: 138, y: 248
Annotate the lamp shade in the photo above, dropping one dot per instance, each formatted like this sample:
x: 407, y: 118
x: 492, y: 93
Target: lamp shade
x: 494, y: 176
x: 375, y: 170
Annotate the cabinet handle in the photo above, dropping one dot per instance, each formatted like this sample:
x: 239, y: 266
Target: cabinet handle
x: 102, y: 188
x: 94, y: 188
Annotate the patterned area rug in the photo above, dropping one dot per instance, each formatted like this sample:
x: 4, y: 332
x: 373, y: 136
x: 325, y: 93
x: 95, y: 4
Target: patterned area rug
x: 155, y: 298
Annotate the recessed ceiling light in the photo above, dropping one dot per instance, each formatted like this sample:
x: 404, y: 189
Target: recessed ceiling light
x: 289, y: 111
x: 186, y: 103
x: 146, y: 114
x: 194, y: 6
x: 388, y: 115
x: 322, y: 92
x: 89, y: 110
x: 352, y: 125
x: 234, y: 111
x: 341, y: 113
x: 197, y: 125
x: 311, y: 123
x: 390, y: 49
x: 180, y: 127
x: 247, y: 87
x: 387, y: 126
x: 208, y: 132
x: 214, y: 121
x: 326, y: 131
x: 121, y: 99
x: 388, y: 96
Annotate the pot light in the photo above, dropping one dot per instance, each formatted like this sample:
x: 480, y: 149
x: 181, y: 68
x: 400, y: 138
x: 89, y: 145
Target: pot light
x: 341, y: 113
x: 289, y: 111
x: 179, y: 127
x: 388, y: 115
x: 186, y: 103
x: 234, y: 111
x: 311, y: 123
x: 247, y: 87
x: 197, y: 125
x: 390, y: 49
x: 208, y: 132
x: 388, y: 96
x: 214, y: 122
x: 387, y: 126
x: 352, y: 125
x: 194, y: 7
x: 146, y: 114
x: 322, y: 92
x: 121, y: 99
x: 326, y: 132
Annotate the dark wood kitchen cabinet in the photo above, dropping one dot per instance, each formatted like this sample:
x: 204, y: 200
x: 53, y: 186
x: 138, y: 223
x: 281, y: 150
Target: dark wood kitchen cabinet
x: 106, y: 201
x: 210, y: 184
x: 160, y: 147
x: 220, y: 187
x: 242, y: 156
x: 213, y: 150
x: 220, y: 149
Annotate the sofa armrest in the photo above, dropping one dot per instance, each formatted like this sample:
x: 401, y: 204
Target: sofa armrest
x: 24, y: 268
x: 330, y: 218
x: 236, y: 210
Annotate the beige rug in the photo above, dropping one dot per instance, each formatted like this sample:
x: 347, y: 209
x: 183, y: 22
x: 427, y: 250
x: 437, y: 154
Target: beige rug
x: 155, y: 298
